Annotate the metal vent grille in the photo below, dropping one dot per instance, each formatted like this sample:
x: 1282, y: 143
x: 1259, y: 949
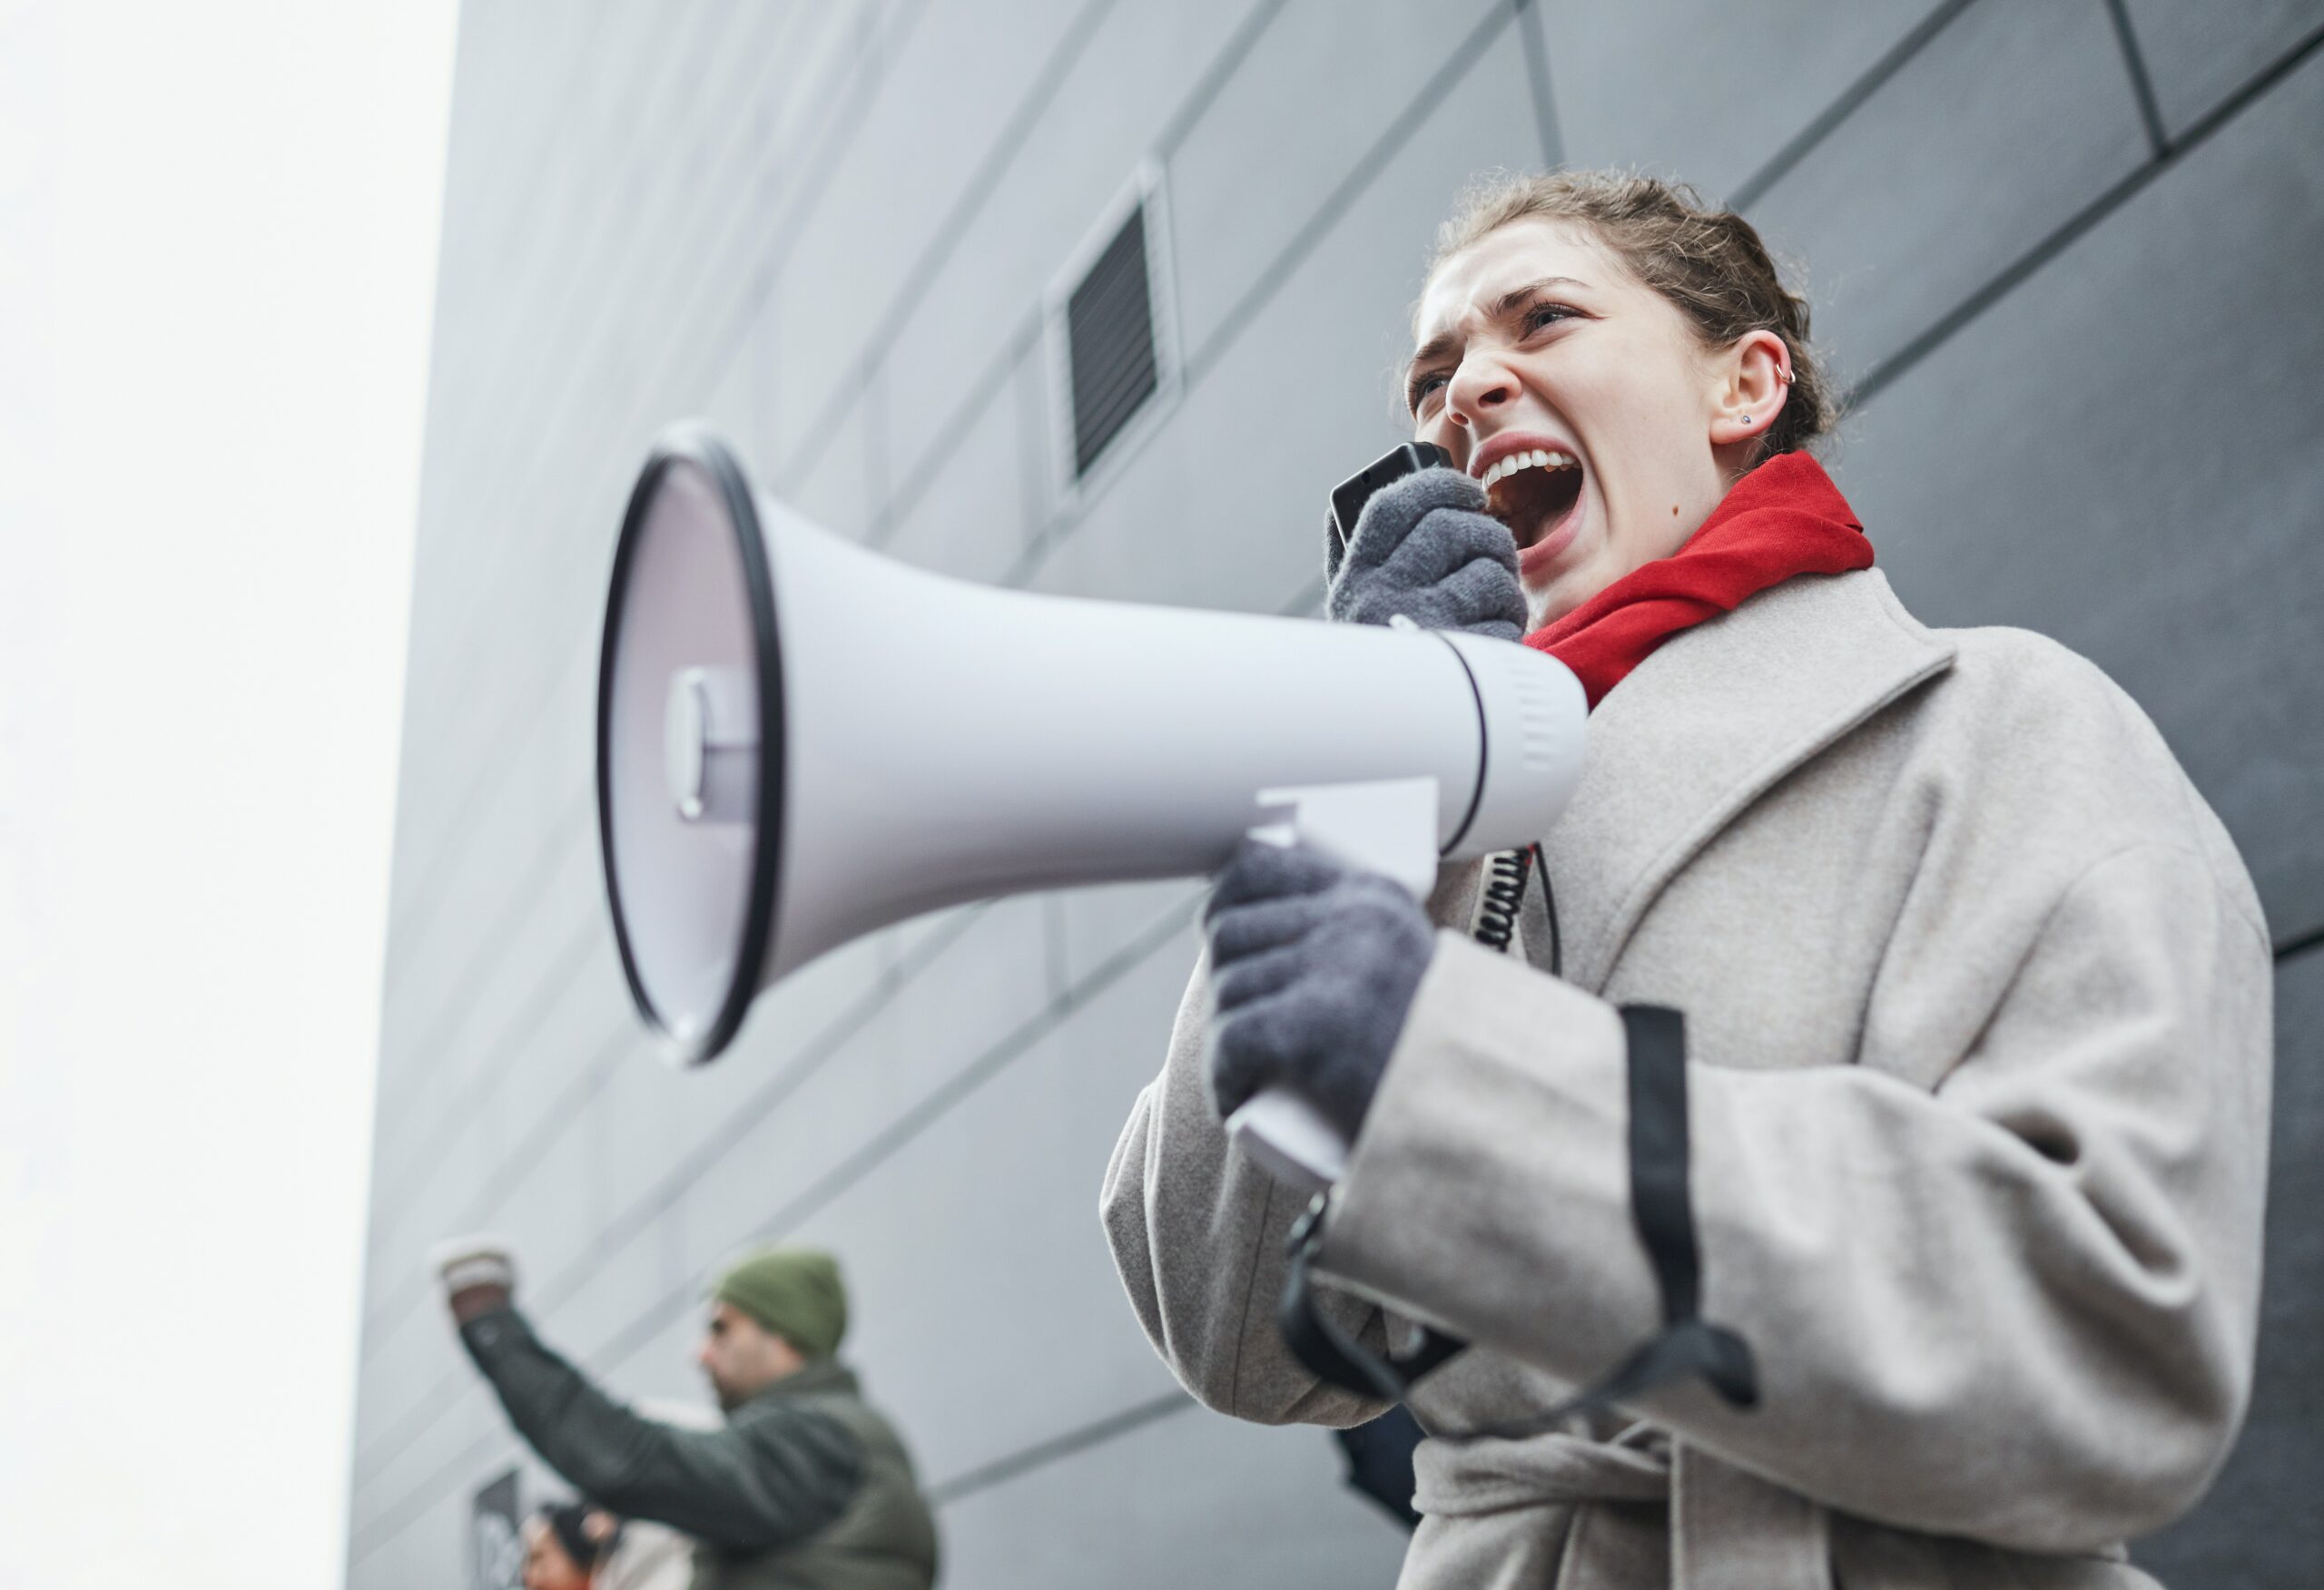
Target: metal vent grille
x: 1109, y: 342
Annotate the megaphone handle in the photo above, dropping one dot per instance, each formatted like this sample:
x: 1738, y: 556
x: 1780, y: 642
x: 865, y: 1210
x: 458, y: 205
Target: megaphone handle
x: 1387, y: 825
x: 1289, y: 1139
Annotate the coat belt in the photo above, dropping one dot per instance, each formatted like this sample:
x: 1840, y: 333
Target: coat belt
x: 1729, y: 1530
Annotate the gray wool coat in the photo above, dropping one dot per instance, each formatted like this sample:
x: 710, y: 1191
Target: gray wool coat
x: 1977, y: 1004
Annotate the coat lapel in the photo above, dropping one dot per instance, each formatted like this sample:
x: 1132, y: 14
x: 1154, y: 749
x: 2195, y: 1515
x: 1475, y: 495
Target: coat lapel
x: 1708, y: 724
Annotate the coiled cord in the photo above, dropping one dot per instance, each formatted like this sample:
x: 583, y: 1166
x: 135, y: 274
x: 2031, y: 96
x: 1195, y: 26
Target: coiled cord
x: 1502, y: 898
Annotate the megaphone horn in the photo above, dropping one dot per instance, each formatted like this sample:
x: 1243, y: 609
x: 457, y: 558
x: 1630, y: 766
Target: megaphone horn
x: 800, y: 741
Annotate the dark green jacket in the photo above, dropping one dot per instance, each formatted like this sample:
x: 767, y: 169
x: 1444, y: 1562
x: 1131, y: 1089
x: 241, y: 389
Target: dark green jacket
x: 805, y: 1488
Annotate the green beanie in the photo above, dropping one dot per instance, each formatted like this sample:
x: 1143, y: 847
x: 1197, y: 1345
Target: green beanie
x: 795, y: 1293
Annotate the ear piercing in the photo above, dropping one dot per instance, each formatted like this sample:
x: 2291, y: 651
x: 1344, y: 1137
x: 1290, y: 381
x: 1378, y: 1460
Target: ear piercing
x: 1784, y: 377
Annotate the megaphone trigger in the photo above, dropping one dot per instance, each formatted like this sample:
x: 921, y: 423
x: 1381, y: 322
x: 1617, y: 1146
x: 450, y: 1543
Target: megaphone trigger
x: 1382, y: 825
x: 1288, y: 1138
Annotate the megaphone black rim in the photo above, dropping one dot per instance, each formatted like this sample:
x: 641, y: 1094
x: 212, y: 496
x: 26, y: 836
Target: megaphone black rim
x: 689, y: 444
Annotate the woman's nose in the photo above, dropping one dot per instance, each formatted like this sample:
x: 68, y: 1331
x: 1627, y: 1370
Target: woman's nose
x: 1476, y: 392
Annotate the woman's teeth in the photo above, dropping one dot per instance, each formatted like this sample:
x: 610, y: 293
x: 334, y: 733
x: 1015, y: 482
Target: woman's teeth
x: 1539, y: 459
x: 1531, y: 504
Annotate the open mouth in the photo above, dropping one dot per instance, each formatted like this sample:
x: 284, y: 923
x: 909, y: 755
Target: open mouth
x: 1534, y: 494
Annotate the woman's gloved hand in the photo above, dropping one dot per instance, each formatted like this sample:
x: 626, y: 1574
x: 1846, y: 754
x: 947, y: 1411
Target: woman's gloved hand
x: 1425, y: 547
x: 1312, y: 966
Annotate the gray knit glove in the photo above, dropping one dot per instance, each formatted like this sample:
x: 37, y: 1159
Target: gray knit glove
x: 1313, y: 968
x: 1425, y: 547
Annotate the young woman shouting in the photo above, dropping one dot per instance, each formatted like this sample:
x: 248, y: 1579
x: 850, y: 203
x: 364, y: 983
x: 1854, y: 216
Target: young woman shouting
x: 1879, y: 1092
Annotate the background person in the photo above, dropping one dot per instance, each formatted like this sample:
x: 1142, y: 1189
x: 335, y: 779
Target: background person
x: 803, y: 1485
x: 1899, y: 977
x: 646, y: 1556
x: 562, y: 1550
x: 572, y: 1546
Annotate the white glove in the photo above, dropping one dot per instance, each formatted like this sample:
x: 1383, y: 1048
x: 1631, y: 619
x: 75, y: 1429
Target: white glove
x: 478, y: 1273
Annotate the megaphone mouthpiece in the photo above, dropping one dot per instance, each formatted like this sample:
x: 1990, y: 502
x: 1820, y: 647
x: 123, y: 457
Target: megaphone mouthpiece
x: 710, y: 743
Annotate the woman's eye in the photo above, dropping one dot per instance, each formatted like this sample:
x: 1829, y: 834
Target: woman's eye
x: 1541, y: 316
x: 1422, y: 386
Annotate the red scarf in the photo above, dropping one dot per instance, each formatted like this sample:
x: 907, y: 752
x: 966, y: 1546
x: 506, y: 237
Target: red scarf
x: 1784, y: 518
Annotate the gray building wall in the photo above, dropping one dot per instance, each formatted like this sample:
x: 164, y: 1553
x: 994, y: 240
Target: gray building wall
x: 2062, y: 249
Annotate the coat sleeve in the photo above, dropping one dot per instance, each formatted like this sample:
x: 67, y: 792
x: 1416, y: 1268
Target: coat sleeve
x: 1198, y: 1234
x: 774, y: 1476
x: 2019, y: 1306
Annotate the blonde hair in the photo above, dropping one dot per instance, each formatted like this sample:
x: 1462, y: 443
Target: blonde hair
x: 1708, y: 263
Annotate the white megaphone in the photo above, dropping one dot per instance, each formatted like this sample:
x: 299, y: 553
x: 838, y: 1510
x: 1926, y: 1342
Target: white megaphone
x: 800, y: 741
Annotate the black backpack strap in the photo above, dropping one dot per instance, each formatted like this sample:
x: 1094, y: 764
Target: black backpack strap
x: 1332, y: 1354
x: 1660, y: 1207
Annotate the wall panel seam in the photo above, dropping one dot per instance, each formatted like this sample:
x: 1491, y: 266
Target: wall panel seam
x: 967, y: 204
x: 1245, y: 310
x: 452, y: 1012
x: 1845, y: 104
x: 832, y: 127
x: 2141, y: 84
x: 616, y: 1349
x: 2082, y: 222
x: 511, y: 364
x: 1047, y: 535
x: 1068, y: 1443
x: 1537, y: 78
x: 733, y: 1128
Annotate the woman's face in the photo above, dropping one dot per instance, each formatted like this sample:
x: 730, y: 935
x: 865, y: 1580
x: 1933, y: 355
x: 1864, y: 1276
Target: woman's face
x: 1605, y: 431
x: 547, y: 1566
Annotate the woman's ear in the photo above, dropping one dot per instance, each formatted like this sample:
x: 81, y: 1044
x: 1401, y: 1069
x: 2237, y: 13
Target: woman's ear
x: 1754, y: 382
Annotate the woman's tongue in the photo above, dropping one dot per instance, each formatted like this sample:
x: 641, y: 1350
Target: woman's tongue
x: 1533, y: 501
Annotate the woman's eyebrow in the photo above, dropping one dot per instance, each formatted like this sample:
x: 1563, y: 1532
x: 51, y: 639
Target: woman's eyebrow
x: 1517, y: 298
x: 1507, y: 305
x: 1434, y: 348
